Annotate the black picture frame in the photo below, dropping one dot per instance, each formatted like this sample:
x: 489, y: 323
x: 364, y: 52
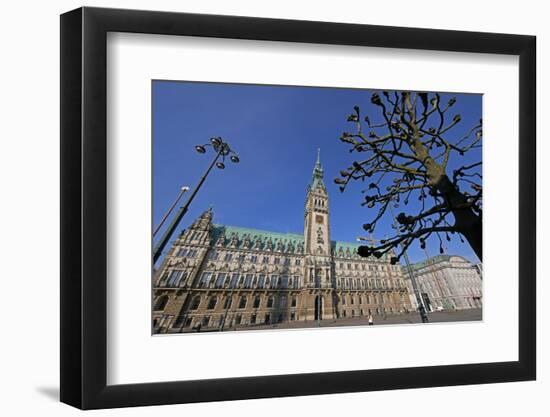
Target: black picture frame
x: 84, y: 207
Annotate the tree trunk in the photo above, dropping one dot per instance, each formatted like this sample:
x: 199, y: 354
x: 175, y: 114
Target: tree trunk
x: 467, y: 222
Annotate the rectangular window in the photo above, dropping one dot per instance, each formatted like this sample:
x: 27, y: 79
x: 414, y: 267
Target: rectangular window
x: 293, y: 302
x: 298, y: 262
x: 274, y: 281
x: 234, y: 278
x: 257, y: 302
x: 253, y: 259
x: 276, y: 261
x: 227, y: 303
x: 248, y: 281
x: 182, y: 252
x: 261, y: 281
x: 241, y: 258
x: 174, y: 278
x: 266, y: 259
x: 205, y: 279
x: 242, y: 302
x: 253, y: 319
x: 287, y: 261
x: 228, y: 257
x: 284, y: 282
x: 220, y: 280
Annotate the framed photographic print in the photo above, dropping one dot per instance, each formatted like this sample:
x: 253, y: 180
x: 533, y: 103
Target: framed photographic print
x: 257, y: 208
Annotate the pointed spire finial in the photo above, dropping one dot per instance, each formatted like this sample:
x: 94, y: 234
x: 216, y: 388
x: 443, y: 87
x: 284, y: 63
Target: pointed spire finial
x: 317, y: 172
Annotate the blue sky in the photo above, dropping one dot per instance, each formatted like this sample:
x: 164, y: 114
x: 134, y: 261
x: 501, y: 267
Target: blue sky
x: 276, y: 131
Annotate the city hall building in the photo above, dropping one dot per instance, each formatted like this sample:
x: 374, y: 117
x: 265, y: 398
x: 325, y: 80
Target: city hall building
x: 217, y: 277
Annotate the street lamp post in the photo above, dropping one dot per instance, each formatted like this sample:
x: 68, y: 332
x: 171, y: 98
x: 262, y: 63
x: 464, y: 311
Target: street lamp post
x: 222, y: 150
x: 183, y: 190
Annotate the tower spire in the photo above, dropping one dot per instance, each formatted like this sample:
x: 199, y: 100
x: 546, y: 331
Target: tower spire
x: 317, y: 178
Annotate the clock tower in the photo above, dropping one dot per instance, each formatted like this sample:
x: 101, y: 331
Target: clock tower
x: 317, y: 231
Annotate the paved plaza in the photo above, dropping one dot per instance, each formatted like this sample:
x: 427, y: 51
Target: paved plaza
x: 409, y: 318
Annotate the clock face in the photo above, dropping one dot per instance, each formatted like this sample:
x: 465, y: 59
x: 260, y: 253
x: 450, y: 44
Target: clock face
x: 319, y: 219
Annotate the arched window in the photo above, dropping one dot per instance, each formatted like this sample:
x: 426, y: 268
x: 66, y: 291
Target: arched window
x: 257, y: 301
x: 195, y: 302
x: 161, y: 302
x: 212, y: 303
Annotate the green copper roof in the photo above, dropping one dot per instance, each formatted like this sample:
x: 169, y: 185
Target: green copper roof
x: 283, y: 242
x: 317, y: 179
x: 241, y: 232
x: 246, y: 238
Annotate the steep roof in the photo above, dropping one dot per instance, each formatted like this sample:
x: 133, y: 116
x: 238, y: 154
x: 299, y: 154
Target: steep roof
x: 317, y: 177
x: 242, y: 232
x: 289, y: 242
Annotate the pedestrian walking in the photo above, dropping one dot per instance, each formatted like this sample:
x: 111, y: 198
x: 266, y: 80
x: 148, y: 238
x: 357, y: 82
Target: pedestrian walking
x: 371, y: 321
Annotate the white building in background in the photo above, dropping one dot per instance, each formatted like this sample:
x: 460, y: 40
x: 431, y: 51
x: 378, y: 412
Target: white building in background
x: 448, y: 282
